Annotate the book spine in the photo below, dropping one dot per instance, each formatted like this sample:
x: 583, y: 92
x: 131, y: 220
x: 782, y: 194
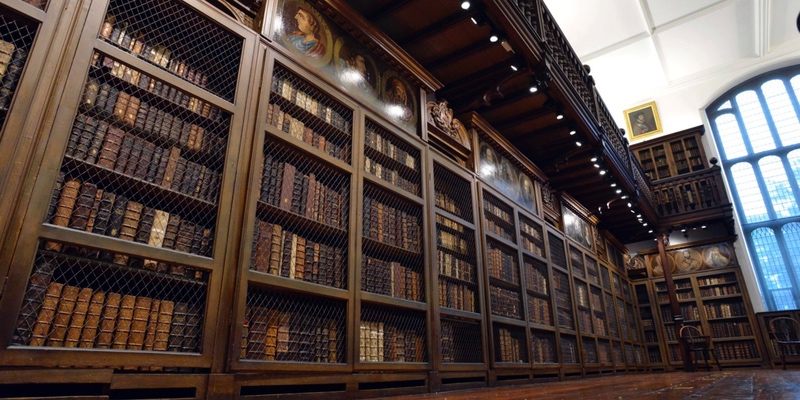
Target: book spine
x: 141, y: 315
x: 66, y: 304
x: 78, y: 320
x: 34, y: 298
x: 47, y: 312
x: 124, y: 320
x: 177, y: 332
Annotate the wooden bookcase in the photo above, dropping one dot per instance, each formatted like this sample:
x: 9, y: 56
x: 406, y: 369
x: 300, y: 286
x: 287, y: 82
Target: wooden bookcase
x: 716, y: 302
x: 772, y: 350
x: 651, y: 323
x: 672, y: 155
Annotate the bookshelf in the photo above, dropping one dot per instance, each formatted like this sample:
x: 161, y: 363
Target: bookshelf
x: 672, y: 155
x: 128, y: 250
x: 772, y: 350
x: 16, y: 39
x: 650, y: 325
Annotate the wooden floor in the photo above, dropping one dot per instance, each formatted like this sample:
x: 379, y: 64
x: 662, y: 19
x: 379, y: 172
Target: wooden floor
x: 762, y: 384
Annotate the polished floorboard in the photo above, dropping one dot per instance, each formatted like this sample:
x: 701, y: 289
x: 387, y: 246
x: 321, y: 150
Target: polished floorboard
x: 757, y: 384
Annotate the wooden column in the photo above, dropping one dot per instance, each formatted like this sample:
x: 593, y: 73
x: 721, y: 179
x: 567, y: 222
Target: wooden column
x: 677, y: 316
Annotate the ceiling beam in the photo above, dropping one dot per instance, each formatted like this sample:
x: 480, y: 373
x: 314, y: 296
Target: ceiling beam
x: 437, y: 28
x: 388, y: 11
x: 460, y: 54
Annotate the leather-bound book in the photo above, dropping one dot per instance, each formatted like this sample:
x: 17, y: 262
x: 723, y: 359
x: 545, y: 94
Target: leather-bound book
x: 163, y: 328
x: 180, y: 174
x: 85, y: 140
x: 121, y: 105
x: 185, y: 136
x: 6, y: 51
x: 32, y: 303
x: 276, y: 245
x: 286, y: 253
x: 55, y: 195
x: 204, y: 186
x: 66, y: 203
x: 124, y: 320
x: 135, y: 155
x: 155, y: 164
x: 117, y: 216
x: 283, y: 337
x: 112, y: 144
x: 102, y: 96
x: 166, y: 125
x: 300, y: 257
x: 191, y: 341
x: 262, y: 246
x: 145, y: 161
x: 258, y: 323
x: 175, y: 130
x: 75, y: 134
x: 104, y: 211
x: 171, y: 233
x: 141, y: 314
x: 97, y: 142
x: 197, y: 240
x: 132, y: 111
x: 171, y: 167
x: 145, y: 225
x: 206, y: 242
x: 157, y: 234
x: 141, y: 116
x: 130, y: 224
x: 11, y: 77
x: 287, y: 186
x: 47, y: 312
x: 310, y: 195
x: 83, y: 206
x: 273, y: 197
x: 151, y: 325
x: 124, y: 153
x: 94, y: 315
x: 190, y: 176
x: 185, y: 234
x: 177, y: 332
x: 78, y: 319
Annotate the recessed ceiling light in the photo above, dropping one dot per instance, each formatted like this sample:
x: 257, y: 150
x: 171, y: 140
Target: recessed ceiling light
x: 465, y: 5
x: 533, y: 89
x: 579, y: 144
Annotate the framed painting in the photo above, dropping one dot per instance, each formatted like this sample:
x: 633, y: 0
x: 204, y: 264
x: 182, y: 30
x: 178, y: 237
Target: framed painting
x: 642, y: 121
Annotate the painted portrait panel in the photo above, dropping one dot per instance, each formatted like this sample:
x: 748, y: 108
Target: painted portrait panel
x: 355, y: 67
x: 400, y: 100
x: 577, y: 229
x: 303, y: 31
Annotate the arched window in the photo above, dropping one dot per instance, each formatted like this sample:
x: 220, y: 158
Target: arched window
x: 757, y: 129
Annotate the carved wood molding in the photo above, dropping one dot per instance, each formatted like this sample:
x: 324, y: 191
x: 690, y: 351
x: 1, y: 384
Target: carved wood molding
x: 441, y: 116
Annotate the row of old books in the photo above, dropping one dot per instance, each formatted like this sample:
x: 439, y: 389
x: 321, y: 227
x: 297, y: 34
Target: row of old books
x: 581, y: 294
x: 664, y: 297
x: 447, y: 203
x: 654, y: 355
x: 500, y: 213
x: 569, y: 350
x: 596, y: 299
x: 599, y: 323
x: 391, y: 225
x: 585, y: 321
x: 121, y: 34
x: 378, y: 142
x: 719, y: 290
x: 504, y: 302
x: 157, y: 87
x: 277, y: 250
x: 452, y: 242
x: 460, y: 342
x: 717, y: 279
x: 298, y: 130
x: 390, y: 175
x: 85, y: 207
x: 276, y: 335
x: 725, y: 310
x: 740, y: 350
x: 510, y: 347
x: 589, y: 351
x: 730, y: 329
x: 536, y: 277
x: 500, y: 229
x: 81, y: 317
x: 455, y: 267
x: 544, y: 349
x: 288, y: 186
x: 458, y: 296
x: 130, y: 111
x: 98, y: 143
x: 391, y: 278
x: 300, y: 94
x: 539, y: 311
x: 502, y: 265
x: 12, y: 60
x: 576, y: 261
x: 382, y: 342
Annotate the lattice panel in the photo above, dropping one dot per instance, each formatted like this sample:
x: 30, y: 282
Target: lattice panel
x: 309, y: 115
x: 576, y: 261
x: 499, y: 217
x: 611, y: 316
x: 452, y: 193
x: 623, y: 320
x: 510, y: 344
x: 569, y: 350
x: 289, y: 327
x: 634, y: 331
x: 505, y: 302
x: 540, y: 310
x: 598, y: 311
x: 591, y: 267
x: 502, y: 262
x: 536, y: 276
x: 392, y: 335
x: 457, y: 270
x: 461, y: 341
x: 543, y: 346
x: 16, y: 37
x: 563, y: 300
x: 604, y: 355
x: 79, y: 299
x: 616, y: 352
x: 605, y: 278
x: 590, y: 351
x: 177, y: 39
x: 531, y: 237
x: 392, y: 159
x: 557, y: 254
x: 654, y: 355
x: 629, y: 358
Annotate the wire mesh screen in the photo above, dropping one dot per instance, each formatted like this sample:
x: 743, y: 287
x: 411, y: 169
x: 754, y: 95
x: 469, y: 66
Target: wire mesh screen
x: 623, y: 320
x: 538, y: 292
x: 392, y: 159
x: 505, y: 302
x: 289, y: 327
x: 388, y: 335
x: 589, y: 351
x: 461, y: 341
x: 563, y: 300
x: 76, y: 299
x: 598, y: 312
x: 616, y: 351
x: 308, y: 114
x: 177, y: 39
x: 499, y: 218
x: 591, y: 268
x: 502, y: 262
x: 626, y: 291
x: 452, y: 193
x: 654, y: 355
x: 604, y: 352
x: 510, y: 344
x: 632, y: 328
x: 532, y: 238
x: 638, y: 354
x: 569, y: 350
x: 557, y: 254
x: 611, y: 315
x: 629, y: 358
x: 576, y: 261
x: 584, y: 313
x: 457, y: 269
x: 16, y: 37
x: 539, y: 310
x: 543, y: 346
x: 302, y: 218
x: 606, y: 280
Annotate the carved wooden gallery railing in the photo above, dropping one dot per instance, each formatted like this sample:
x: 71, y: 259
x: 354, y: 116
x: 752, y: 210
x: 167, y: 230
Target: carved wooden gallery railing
x: 699, y: 191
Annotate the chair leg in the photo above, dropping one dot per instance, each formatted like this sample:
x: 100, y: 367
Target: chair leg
x: 705, y: 359
x: 783, y: 357
x: 716, y: 358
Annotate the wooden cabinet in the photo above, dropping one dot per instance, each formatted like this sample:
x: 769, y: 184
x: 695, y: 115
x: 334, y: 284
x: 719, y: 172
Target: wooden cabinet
x: 772, y: 350
x: 672, y: 155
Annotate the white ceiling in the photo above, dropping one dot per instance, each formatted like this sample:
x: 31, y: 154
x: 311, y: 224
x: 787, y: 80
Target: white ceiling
x: 646, y: 50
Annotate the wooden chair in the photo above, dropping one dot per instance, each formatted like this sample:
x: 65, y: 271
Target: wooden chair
x: 699, y: 344
x: 785, y: 332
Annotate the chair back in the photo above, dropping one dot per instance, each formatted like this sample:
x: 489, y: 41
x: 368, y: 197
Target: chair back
x: 784, y: 329
x: 694, y: 336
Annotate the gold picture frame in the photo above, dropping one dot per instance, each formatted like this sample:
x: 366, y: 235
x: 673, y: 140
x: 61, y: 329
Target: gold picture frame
x: 642, y: 121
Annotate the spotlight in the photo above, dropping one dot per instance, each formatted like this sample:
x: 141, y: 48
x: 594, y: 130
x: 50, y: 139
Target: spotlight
x: 559, y: 114
x: 533, y: 89
x: 623, y: 197
x: 602, y: 172
x: 596, y: 165
x: 650, y: 231
x: 614, y: 184
x: 630, y: 205
x: 703, y: 227
x: 619, y: 191
x: 465, y: 5
x: 683, y: 229
x: 494, y: 37
x: 638, y: 215
x: 579, y: 144
x: 644, y: 224
x: 593, y: 159
x: 514, y: 68
x: 572, y: 132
